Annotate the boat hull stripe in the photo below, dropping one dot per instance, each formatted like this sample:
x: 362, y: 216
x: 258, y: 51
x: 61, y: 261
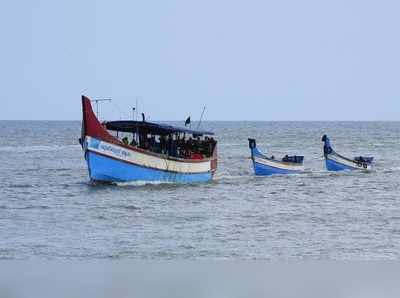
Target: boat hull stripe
x: 266, y: 170
x: 143, y: 160
x: 279, y: 165
x: 336, y: 163
x: 103, y: 168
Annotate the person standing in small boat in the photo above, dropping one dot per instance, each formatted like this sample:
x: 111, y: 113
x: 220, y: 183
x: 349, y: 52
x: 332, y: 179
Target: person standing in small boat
x: 327, y: 145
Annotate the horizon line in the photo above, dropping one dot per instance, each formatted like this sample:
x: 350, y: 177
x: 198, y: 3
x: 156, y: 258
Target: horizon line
x: 231, y: 120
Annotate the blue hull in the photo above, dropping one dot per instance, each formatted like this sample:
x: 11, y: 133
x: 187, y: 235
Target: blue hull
x: 334, y: 166
x: 107, y: 169
x: 264, y: 170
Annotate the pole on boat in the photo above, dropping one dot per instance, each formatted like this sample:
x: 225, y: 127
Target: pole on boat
x: 136, y: 118
x: 201, y: 117
x: 137, y: 108
x: 97, y: 104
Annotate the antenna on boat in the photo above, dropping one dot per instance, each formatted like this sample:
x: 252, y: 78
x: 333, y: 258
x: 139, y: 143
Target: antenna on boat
x: 201, y: 117
x: 137, y: 108
x: 97, y: 104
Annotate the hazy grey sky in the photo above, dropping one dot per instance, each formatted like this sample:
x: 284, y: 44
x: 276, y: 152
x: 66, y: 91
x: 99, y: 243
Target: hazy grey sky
x: 245, y: 60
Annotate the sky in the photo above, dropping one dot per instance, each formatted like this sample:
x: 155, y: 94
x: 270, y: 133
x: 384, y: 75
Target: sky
x: 243, y: 60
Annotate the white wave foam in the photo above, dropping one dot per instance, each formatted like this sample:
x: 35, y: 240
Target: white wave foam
x: 142, y: 183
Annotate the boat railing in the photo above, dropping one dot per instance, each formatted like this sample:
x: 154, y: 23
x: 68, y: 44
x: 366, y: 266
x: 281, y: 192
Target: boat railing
x: 194, y: 156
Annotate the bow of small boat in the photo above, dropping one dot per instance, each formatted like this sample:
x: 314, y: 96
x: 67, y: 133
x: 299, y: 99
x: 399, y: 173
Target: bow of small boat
x: 265, y: 167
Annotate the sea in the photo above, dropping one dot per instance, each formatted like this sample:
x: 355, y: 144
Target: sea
x: 49, y: 210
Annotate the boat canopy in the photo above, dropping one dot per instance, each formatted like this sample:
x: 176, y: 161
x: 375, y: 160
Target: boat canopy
x: 151, y: 128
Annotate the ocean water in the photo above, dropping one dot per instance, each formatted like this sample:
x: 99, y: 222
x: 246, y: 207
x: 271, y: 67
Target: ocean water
x: 49, y: 210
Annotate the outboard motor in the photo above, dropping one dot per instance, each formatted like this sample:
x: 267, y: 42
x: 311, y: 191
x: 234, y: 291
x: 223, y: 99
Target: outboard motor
x: 364, y: 159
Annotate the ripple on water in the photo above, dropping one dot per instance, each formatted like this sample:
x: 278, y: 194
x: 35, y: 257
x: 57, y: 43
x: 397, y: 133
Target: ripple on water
x: 126, y: 207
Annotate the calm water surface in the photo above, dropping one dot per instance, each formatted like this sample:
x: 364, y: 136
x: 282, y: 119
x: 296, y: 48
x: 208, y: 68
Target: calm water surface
x: 49, y: 210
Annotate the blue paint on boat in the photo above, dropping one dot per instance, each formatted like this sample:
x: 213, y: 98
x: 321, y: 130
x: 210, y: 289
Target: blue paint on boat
x: 264, y: 170
x: 335, y: 166
x: 360, y: 163
x: 102, y: 168
x: 256, y: 153
x: 275, y: 167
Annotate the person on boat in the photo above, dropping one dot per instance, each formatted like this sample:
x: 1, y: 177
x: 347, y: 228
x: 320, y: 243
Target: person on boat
x: 125, y: 140
x: 152, y: 143
x: 189, y: 144
x: 197, y: 145
x: 163, y: 144
x: 188, y: 147
x: 169, y: 145
x: 146, y: 144
x: 213, y: 144
x: 206, y: 146
x: 141, y: 140
x: 133, y: 142
x: 180, y: 146
x: 327, y: 146
x: 174, y: 148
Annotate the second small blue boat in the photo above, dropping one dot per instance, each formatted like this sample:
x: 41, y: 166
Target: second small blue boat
x: 336, y: 162
x: 265, y: 166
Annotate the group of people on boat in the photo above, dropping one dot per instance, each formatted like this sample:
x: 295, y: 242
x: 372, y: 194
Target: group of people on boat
x: 174, y: 145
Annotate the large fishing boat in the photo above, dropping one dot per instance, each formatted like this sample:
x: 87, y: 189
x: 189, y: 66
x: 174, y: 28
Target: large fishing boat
x: 265, y: 166
x: 337, y: 162
x: 123, y: 151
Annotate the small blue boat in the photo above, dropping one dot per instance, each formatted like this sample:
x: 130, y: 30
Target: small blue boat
x: 125, y: 151
x: 337, y: 162
x: 265, y: 166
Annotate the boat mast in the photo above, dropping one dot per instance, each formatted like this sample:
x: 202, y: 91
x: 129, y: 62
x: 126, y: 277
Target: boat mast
x: 97, y: 104
x: 201, y: 117
x: 136, y: 118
